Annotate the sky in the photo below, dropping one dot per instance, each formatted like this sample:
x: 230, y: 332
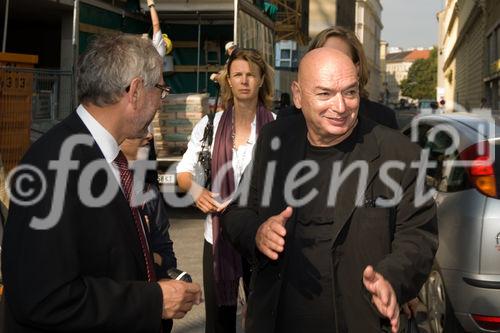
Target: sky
x: 410, y: 23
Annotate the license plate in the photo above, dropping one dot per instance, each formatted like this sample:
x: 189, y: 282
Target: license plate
x: 166, y: 179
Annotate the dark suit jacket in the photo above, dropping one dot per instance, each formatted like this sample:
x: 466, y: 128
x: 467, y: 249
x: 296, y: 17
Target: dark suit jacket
x: 377, y: 112
x: 159, y: 240
x: 86, y: 273
x: 400, y: 242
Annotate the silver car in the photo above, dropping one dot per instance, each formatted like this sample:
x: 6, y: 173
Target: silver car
x: 463, y: 289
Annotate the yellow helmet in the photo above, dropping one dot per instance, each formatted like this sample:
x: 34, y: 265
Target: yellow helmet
x: 168, y: 43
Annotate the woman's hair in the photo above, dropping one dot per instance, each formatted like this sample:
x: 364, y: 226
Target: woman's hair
x: 357, y: 51
x: 266, y: 91
x: 111, y: 62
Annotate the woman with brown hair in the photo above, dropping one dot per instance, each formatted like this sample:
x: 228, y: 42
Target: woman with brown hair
x: 247, y: 92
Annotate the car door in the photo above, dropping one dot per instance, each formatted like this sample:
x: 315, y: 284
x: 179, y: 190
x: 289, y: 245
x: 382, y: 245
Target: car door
x: 459, y: 205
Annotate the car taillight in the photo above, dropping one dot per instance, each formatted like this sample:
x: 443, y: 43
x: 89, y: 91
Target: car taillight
x: 487, y: 322
x: 481, y: 170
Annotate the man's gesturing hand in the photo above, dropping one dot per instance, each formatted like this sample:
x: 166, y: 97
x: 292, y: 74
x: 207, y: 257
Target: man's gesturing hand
x: 270, y: 237
x: 178, y: 297
x: 383, y: 296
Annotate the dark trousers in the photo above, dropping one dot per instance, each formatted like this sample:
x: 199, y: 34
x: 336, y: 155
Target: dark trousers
x: 218, y: 319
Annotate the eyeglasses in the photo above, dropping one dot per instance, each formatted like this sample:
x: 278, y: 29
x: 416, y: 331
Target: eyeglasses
x: 165, y: 90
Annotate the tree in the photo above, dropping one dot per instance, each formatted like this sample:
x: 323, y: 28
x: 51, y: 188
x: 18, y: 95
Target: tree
x: 422, y: 78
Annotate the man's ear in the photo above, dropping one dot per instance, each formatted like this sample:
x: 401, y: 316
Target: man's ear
x: 134, y: 90
x: 297, y: 99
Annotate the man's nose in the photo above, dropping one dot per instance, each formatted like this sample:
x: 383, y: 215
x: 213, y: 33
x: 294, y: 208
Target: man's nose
x: 338, y: 103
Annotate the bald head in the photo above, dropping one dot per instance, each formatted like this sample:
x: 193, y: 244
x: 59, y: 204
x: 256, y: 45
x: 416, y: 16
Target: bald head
x: 327, y: 91
x: 321, y: 59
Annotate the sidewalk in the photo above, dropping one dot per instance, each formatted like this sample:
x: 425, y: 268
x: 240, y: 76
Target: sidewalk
x: 186, y: 230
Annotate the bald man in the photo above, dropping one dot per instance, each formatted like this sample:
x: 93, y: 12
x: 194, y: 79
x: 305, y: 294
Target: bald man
x: 331, y: 221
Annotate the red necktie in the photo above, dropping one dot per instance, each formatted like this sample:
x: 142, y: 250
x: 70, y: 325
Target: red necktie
x: 127, y: 178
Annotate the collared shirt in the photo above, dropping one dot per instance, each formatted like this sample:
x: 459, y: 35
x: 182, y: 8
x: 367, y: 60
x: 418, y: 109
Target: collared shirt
x: 106, y: 142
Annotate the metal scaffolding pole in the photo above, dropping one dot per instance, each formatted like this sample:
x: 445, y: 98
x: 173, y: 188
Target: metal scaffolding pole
x: 235, y: 23
x: 74, y: 43
x: 5, y: 21
x: 199, y: 54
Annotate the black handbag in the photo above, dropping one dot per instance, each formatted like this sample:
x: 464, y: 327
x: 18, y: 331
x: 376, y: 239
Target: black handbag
x: 205, y: 156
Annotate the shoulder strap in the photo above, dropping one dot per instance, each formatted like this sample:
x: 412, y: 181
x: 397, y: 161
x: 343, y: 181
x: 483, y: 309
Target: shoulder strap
x: 208, y: 134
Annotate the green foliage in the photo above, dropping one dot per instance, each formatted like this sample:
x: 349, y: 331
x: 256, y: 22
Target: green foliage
x: 422, y: 78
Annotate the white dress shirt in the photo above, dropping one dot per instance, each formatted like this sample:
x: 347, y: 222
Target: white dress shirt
x: 241, y: 157
x: 106, y: 142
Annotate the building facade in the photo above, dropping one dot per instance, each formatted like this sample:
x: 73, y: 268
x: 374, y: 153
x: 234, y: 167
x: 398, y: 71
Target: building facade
x: 469, y: 54
x: 326, y: 13
x: 397, y: 66
x: 368, y: 29
x: 492, y: 78
x: 361, y: 16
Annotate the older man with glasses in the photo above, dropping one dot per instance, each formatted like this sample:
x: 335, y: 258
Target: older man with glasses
x: 78, y: 258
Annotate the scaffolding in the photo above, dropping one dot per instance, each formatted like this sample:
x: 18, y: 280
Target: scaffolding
x: 291, y: 22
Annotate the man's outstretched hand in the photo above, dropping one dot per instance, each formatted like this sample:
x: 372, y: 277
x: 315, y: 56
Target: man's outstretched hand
x: 383, y: 296
x: 270, y: 237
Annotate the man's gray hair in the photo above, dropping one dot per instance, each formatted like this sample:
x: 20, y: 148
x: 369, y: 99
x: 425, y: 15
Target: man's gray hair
x: 110, y: 63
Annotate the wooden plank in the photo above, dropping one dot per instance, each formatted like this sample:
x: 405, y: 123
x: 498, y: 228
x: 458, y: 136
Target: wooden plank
x: 185, y: 44
x: 19, y: 58
x: 94, y: 29
x: 193, y: 68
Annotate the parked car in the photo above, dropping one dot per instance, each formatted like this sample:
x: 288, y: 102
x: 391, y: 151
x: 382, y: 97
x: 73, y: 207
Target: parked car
x: 427, y: 106
x: 462, y: 293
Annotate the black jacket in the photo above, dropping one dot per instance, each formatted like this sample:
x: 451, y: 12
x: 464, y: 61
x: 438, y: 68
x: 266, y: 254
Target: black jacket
x: 155, y: 211
x: 87, y: 272
x: 377, y: 112
x: 400, y: 242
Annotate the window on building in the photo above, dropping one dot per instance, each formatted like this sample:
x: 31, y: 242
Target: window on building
x: 493, y: 41
x: 491, y: 48
x: 497, y: 33
x: 285, y: 54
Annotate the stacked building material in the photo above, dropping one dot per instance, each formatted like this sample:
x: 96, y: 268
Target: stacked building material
x: 173, y: 124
